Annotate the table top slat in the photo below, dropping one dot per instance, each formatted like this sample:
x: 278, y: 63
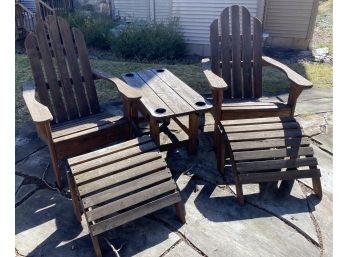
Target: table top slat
x: 149, y: 98
x: 174, y: 101
x: 195, y: 100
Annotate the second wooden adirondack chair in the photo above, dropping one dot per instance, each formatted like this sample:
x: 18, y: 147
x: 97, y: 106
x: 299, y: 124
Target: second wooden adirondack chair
x: 62, y: 100
x: 234, y: 70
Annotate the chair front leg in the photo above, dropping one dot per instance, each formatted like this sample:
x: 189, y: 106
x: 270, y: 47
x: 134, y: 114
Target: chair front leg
x: 294, y: 93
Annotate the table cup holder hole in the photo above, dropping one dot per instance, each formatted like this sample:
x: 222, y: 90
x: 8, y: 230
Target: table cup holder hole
x: 160, y: 110
x: 129, y: 75
x: 160, y: 70
x: 200, y: 103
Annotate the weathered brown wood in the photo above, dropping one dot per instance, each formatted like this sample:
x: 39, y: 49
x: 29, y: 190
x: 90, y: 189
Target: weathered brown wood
x: 154, y: 131
x: 262, y: 127
x: 259, y: 135
x: 56, y: 96
x: 193, y: 132
x: 190, y: 96
x: 236, y: 53
x: 226, y: 48
x: 134, y: 213
x: 247, y: 53
x: 130, y: 200
x: 257, y: 54
x: 73, y: 65
x: 58, y: 50
x: 96, y: 246
x: 121, y: 176
x: 214, y: 47
x: 269, y: 143
x: 74, y: 196
x: 86, y: 71
x: 270, y: 154
x: 180, y: 212
x: 275, y: 176
x: 285, y: 111
x: 215, y: 82
x: 257, y: 121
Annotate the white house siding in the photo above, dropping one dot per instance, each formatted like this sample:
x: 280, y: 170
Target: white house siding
x: 132, y: 9
x: 290, y: 23
x: 197, y: 15
x: 163, y: 9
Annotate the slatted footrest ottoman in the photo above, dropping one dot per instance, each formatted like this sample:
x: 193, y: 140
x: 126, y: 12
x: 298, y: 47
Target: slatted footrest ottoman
x: 121, y: 183
x: 265, y: 150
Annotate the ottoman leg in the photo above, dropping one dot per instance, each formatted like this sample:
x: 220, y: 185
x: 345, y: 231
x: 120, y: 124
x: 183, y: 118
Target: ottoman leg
x: 180, y: 212
x: 317, y: 187
x: 96, y: 246
x: 239, y: 190
x: 74, y: 197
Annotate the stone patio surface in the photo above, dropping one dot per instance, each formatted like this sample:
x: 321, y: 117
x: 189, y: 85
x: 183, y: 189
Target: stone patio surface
x: 286, y: 220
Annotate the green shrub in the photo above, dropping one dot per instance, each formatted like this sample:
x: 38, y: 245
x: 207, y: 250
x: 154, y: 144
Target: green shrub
x: 150, y: 41
x: 95, y: 27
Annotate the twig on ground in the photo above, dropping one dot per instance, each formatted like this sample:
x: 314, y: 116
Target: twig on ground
x: 113, y: 247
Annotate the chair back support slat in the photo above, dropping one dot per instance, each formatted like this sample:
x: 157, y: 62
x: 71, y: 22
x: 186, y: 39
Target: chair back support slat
x: 35, y: 64
x: 236, y: 53
x: 86, y: 71
x: 61, y: 70
x: 73, y: 65
x: 58, y: 50
x: 51, y: 76
x: 225, y: 48
x: 247, y: 53
x: 257, y: 57
x: 236, y: 44
x: 214, y: 43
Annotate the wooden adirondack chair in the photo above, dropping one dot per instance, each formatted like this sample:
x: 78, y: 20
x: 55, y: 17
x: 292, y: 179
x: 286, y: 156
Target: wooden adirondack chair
x: 62, y: 99
x: 234, y: 71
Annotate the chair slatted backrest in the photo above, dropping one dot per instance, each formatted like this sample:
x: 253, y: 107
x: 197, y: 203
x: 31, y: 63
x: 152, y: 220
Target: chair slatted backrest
x: 236, y: 52
x: 61, y: 70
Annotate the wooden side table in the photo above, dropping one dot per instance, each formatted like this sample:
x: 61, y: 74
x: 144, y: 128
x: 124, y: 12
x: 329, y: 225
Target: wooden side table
x: 165, y: 97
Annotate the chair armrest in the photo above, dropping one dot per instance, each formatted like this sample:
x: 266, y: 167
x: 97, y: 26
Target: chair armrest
x: 215, y: 82
x: 127, y: 91
x: 294, y: 77
x: 38, y: 112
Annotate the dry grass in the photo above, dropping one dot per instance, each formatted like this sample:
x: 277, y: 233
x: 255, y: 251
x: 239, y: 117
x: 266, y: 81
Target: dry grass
x: 322, y: 36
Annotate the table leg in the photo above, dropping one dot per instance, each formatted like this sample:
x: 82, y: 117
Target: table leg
x: 193, y: 132
x: 154, y: 131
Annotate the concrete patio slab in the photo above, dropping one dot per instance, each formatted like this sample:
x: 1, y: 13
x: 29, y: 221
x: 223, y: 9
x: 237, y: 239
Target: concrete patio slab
x: 218, y: 226
x: 310, y: 94
x: 325, y: 139
x: 18, y: 182
x: 182, y: 249
x: 24, y: 191
x: 319, y: 105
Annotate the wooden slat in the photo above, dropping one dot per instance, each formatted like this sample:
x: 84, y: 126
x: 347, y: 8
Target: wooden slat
x: 214, y: 47
x: 262, y: 127
x: 90, y: 124
x: 269, y: 143
x: 122, y: 176
x: 86, y: 71
x: 125, y: 188
x: 275, y: 176
x: 58, y: 50
x: 165, y: 93
x: 254, y: 166
x: 236, y: 53
x: 283, y: 111
x: 151, y: 101
x: 232, y: 137
x: 226, y: 48
x: 109, y: 150
x: 134, y: 214
x: 56, y: 95
x: 74, y: 68
x: 111, y: 168
x: 31, y: 47
x: 274, y: 153
x: 112, y: 122
x: 247, y: 52
x: 195, y: 100
x: 130, y: 200
x: 251, y: 107
x: 113, y: 157
x: 257, y: 57
x: 257, y: 121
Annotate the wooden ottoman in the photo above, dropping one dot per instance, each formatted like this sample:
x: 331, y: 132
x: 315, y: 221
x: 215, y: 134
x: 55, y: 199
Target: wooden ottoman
x: 267, y: 149
x: 121, y: 183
